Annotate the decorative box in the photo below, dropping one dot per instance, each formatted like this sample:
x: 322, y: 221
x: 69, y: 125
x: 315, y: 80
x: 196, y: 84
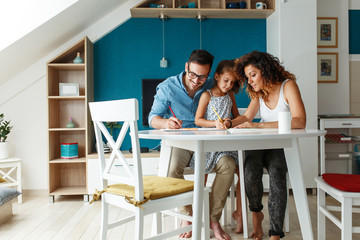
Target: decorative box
x: 69, y: 150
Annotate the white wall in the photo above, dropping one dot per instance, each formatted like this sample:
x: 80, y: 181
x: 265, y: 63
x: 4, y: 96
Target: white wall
x: 334, y: 97
x: 354, y: 4
x: 292, y: 38
x: 23, y: 101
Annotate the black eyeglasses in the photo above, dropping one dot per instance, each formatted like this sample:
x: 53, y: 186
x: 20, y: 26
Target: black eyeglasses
x: 193, y: 75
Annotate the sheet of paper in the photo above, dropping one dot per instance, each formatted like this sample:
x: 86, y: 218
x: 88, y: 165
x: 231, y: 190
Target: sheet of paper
x: 192, y: 129
x: 243, y: 130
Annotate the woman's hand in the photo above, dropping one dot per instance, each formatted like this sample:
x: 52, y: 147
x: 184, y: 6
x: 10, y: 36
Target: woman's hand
x: 245, y: 125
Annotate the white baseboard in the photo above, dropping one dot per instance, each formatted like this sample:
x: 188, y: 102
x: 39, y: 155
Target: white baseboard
x: 354, y: 57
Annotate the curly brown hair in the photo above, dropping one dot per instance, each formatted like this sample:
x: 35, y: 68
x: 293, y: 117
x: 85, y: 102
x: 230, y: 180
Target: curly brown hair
x: 271, y: 70
x: 228, y: 66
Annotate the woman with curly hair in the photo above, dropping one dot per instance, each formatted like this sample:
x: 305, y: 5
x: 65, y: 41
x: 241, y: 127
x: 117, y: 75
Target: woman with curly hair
x: 272, y: 89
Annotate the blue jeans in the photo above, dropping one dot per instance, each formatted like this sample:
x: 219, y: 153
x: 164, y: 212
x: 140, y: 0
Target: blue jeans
x: 274, y: 161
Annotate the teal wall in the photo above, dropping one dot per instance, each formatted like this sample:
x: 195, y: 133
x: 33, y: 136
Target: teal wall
x: 132, y: 52
x: 354, y: 31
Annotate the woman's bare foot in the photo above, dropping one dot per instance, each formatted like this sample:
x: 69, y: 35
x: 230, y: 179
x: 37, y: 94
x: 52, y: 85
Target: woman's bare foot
x: 219, y: 233
x: 275, y: 237
x: 257, y: 220
x: 239, y: 223
x: 187, y: 234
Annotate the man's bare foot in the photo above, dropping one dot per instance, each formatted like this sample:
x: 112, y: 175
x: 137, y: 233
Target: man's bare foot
x: 239, y: 223
x: 257, y: 220
x: 187, y: 234
x: 219, y: 233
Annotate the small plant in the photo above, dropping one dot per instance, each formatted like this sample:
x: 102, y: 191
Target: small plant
x: 5, y: 128
x: 112, y: 125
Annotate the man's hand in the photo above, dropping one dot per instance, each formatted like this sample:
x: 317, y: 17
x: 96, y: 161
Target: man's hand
x: 173, y: 123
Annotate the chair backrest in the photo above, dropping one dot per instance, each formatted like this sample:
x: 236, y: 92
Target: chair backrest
x: 126, y: 112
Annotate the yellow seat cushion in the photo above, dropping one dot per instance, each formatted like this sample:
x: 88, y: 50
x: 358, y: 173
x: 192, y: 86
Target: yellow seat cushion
x: 154, y: 187
x: 2, y: 180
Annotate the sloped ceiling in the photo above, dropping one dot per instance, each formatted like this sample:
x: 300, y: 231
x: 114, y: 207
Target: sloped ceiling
x: 52, y: 34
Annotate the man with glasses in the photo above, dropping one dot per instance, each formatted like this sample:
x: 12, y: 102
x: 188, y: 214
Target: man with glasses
x: 174, y: 107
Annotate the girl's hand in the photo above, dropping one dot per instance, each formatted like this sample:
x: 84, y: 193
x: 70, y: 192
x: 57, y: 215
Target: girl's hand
x: 227, y: 123
x: 219, y: 124
x: 245, y: 125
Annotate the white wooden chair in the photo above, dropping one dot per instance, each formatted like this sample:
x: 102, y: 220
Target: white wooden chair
x: 141, y: 198
x: 347, y: 200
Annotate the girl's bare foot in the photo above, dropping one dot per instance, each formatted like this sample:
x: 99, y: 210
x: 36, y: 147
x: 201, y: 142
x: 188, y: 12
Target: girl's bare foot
x: 187, y: 234
x: 239, y: 223
x: 219, y: 233
x: 257, y: 218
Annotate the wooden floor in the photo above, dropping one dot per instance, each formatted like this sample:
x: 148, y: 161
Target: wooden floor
x: 71, y: 218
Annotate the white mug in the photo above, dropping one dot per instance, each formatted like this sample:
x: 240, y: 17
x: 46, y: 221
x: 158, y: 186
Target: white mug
x: 284, y: 122
x: 261, y: 5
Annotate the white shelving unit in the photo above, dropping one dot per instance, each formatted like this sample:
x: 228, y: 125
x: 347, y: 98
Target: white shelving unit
x: 337, y: 147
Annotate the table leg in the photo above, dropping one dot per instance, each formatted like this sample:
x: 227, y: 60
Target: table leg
x: 19, y: 182
x: 293, y: 161
x: 198, y: 189
x: 164, y: 161
x: 241, y: 155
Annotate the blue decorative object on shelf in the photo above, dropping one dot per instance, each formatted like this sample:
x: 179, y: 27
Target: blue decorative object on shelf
x: 78, y: 59
x: 242, y: 4
x: 232, y: 5
x: 69, y: 150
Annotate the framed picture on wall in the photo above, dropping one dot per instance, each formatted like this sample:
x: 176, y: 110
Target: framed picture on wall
x: 327, y: 28
x: 327, y: 67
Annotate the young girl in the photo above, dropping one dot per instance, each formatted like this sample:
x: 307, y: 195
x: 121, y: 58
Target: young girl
x: 272, y: 89
x: 221, y: 98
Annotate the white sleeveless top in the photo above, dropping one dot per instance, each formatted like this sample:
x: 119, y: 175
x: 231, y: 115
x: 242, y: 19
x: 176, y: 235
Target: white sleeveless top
x: 271, y: 115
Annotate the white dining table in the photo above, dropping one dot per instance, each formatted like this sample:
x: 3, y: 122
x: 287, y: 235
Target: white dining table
x: 210, y: 140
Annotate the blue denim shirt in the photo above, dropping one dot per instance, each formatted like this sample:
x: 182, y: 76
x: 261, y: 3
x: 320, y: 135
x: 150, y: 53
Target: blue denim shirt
x: 172, y: 92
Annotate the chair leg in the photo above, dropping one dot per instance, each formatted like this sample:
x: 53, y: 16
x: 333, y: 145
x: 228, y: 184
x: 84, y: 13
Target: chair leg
x: 287, y: 217
x: 223, y: 219
x: 157, y: 224
x: 206, y: 218
x: 104, y: 218
x: 176, y: 220
x: 321, y: 235
x: 139, y: 224
x: 232, y: 204
x: 346, y: 219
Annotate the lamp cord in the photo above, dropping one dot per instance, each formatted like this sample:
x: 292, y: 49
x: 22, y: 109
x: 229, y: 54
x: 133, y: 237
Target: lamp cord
x: 163, y: 27
x: 200, y: 36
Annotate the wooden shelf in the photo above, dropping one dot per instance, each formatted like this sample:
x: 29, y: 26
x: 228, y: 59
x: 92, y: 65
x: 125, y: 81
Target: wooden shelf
x: 77, y: 190
x: 68, y: 176
x: 67, y: 97
x: 74, y: 160
x: 127, y: 154
x: 205, y: 8
x: 66, y: 129
x: 67, y: 66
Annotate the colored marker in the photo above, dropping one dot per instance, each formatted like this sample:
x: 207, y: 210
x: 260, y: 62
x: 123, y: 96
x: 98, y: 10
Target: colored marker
x: 172, y: 112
